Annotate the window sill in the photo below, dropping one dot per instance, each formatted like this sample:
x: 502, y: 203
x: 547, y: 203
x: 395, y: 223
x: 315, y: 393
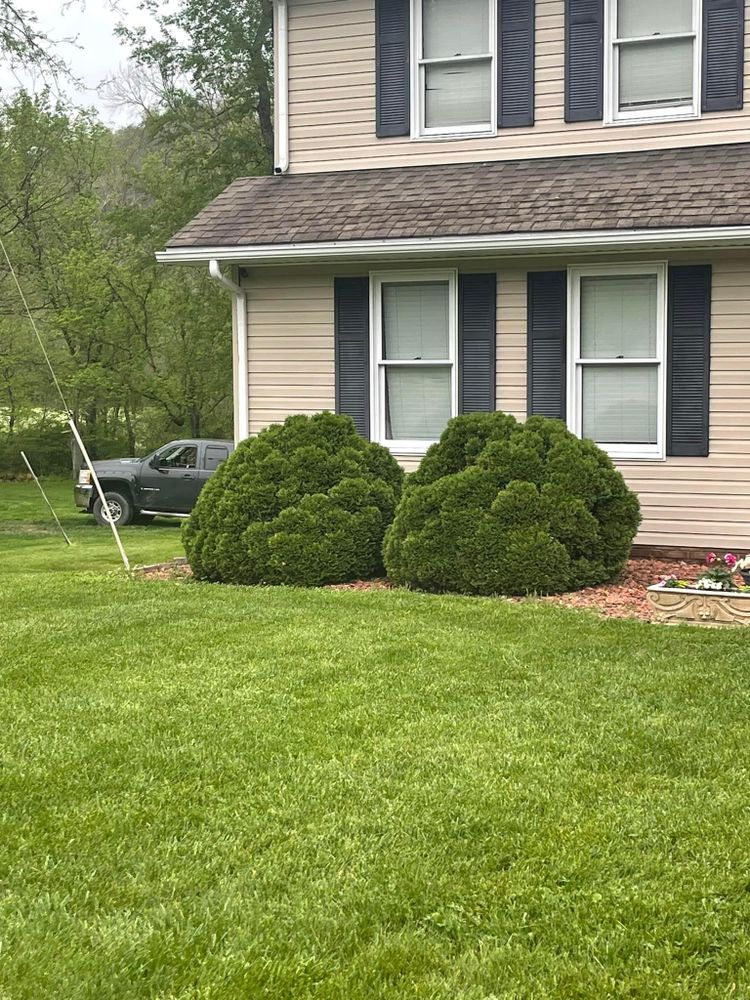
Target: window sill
x: 407, y: 449
x: 653, y: 120
x: 635, y: 459
x: 453, y: 136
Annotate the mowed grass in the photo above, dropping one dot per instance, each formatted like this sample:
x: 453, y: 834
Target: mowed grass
x: 212, y: 793
x: 31, y: 541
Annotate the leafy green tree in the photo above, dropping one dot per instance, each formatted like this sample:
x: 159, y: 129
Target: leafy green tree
x: 21, y: 41
x: 212, y: 67
x: 142, y: 351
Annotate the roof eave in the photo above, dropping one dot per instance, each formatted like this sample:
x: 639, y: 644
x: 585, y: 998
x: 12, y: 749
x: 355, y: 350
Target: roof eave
x: 504, y: 244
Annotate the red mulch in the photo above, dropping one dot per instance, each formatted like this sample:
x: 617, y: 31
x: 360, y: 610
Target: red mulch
x: 177, y: 570
x: 626, y: 598
x: 363, y: 585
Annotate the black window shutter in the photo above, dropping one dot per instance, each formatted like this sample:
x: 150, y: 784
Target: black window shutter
x: 477, y: 323
x: 723, y: 54
x: 689, y: 361
x: 352, y: 350
x: 392, y: 46
x: 584, y: 60
x: 515, y: 76
x: 547, y: 343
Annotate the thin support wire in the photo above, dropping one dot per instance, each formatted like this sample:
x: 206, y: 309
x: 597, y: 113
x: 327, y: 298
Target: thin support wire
x: 34, y: 327
x: 46, y: 498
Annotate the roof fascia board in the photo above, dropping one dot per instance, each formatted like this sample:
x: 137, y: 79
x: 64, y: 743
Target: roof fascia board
x: 503, y: 244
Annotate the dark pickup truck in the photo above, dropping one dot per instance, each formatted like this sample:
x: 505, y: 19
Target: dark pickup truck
x: 165, y: 482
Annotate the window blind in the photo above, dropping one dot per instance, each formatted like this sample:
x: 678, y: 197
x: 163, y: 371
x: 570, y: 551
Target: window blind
x: 620, y: 404
x: 457, y: 94
x: 639, y: 18
x: 656, y: 74
x: 451, y: 29
x: 618, y: 316
x: 415, y: 321
x: 417, y: 402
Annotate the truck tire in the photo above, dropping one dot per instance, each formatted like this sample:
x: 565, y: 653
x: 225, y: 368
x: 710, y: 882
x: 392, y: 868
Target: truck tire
x: 120, y: 507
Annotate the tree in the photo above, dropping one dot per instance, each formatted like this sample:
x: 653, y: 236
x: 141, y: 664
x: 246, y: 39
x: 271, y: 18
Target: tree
x: 210, y: 72
x: 141, y: 351
x: 22, y: 42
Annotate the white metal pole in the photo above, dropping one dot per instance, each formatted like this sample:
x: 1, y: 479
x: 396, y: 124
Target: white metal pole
x: 100, y: 491
x: 46, y: 499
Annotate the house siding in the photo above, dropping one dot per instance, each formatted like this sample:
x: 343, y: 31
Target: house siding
x: 686, y: 502
x: 332, y: 101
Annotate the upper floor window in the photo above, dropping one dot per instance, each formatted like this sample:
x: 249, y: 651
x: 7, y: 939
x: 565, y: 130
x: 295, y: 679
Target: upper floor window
x: 454, y: 90
x: 653, y: 57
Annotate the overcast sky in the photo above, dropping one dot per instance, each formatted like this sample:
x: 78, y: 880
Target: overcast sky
x: 96, y: 52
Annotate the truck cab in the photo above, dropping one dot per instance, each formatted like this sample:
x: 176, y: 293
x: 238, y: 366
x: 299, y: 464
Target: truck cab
x: 166, y: 482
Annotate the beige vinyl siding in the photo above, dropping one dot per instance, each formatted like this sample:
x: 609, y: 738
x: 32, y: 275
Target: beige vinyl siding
x: 697, y: 502
x: 290, y: 346
x: 332, y: 101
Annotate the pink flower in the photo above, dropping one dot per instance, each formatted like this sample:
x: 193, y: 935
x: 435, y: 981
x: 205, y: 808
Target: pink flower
x: 711, y: 558
x: 731, y: 560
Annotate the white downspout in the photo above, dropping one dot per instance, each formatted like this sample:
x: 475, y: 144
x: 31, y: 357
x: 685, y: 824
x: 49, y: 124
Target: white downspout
x: 242, y: 427
x: 281, y: 83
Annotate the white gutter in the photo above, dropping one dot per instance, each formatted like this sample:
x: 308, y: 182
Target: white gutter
x: 281, y: 84
x: 242, y: 427
x: 472, y: 246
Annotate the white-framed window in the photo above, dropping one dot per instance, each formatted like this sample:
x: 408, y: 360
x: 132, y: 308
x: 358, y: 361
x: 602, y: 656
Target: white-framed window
x: 617, y: 330
x: 414, y: 378
x: 454, y: 68
x: 652, y: 60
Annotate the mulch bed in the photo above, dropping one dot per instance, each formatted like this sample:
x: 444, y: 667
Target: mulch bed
x: 626, y: 598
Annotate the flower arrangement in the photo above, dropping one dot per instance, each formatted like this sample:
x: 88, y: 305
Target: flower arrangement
x: 719, y: 575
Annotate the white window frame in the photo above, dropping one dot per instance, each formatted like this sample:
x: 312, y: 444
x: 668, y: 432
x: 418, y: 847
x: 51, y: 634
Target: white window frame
x: 576, y: 364
x: 418, y: 128
x: 613, y: 114
x: 378, y: 363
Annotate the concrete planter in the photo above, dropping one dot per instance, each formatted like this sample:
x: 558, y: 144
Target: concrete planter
x: 674, y: 606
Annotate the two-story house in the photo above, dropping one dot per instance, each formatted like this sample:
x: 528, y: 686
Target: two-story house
x: 539, y: 206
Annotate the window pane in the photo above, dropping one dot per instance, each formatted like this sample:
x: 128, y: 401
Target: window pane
x: 455, y: 29
x: 638, y: 18
x: 184, y: 457
x: 215, y: 456
x: 415, y: 321
x: 656, y: 74
x: 457, y: 94
x: 619, y: 316
x: 417, y: 403
x: 620, y: 404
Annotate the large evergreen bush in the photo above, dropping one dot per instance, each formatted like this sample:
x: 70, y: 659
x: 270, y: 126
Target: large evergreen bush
x: 499, y: 507
x: 306, y: 502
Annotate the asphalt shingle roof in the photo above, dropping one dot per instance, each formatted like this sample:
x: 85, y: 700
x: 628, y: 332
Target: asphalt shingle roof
x: 700, y: 186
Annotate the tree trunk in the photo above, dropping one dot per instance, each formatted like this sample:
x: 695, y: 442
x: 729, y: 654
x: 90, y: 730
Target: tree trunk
x: 195, y: 422
x: 76, y: 455
x: 130, y: 430
x: 265, y: 97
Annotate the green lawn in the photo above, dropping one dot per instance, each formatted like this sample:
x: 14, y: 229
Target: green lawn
x: 212, y: 793
x: 30, y: 540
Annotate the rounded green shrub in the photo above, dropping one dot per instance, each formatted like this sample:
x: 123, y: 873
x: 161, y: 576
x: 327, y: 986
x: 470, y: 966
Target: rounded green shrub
x: 306, y: 502
x: 500, y: 507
